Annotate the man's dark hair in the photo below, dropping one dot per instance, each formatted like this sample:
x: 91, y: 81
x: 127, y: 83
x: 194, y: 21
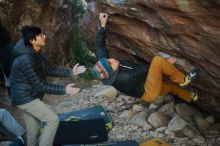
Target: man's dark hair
x: 29, y: 33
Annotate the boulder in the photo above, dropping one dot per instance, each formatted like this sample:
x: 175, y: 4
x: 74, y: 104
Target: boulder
x: 188, y: 30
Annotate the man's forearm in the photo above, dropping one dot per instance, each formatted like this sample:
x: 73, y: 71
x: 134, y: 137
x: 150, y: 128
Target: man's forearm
x: 101, y: 51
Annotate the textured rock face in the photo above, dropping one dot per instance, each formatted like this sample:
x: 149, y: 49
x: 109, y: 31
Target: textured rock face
x: 188, y: 29
x: 52, y: 16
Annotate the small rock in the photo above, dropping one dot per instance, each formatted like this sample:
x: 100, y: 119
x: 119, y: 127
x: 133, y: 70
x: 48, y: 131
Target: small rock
x: 170, y: 133
x: 190, y: 132
x: 126, y: 98
x: 105, y: 104
x: 147, y: 127
x: 184, y: 138
x: 119, y: 104
x: 126, y: 127
x: 187, y: 112
x: 161, y: 129
x: 210, y: 119
x: 143, y: 134
x: 65, y: 103
x: 110, y: 107
x: 202, y: 123
x: 106, y: 91
x: 161, y: 135
x: 137, y: 108
x: 134, y: 128
x: 168, y: 109
x: 84, y: 90
x: 139, y: 119
x: 120, y: 136
x: 127, y: 114
x: 176, y: 124
x: 154, y: 133
x: 199, y: 139
x: 129, y: 101
x: 153, y: 106
x: 157, y: 120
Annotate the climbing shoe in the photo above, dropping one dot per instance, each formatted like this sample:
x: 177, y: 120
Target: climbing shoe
x: 189, y: 77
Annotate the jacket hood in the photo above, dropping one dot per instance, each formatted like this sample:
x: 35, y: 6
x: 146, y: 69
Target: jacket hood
x: 21, y: 48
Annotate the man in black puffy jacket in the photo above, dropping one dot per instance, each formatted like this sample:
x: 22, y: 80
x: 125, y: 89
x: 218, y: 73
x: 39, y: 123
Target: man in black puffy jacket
x: 139, y: 80
x: 28, y: 85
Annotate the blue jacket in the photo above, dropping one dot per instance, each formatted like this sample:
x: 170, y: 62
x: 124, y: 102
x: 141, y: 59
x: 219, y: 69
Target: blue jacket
x: 130, y: 77
x: 28, y: 75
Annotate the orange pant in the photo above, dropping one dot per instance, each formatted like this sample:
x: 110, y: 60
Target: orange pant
x: 154, y: 85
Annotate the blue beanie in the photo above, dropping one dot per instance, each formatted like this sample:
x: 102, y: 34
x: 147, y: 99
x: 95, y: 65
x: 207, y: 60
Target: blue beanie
x: 102, y: 66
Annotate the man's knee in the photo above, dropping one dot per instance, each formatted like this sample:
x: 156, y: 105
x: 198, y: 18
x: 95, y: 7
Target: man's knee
x: 157, y: 59
x: 54, y: 120
x: 3, y: 113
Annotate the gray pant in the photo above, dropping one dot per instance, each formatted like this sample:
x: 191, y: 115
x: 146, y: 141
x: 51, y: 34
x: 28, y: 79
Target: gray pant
x: 9, y: 125
x: 34, y: 113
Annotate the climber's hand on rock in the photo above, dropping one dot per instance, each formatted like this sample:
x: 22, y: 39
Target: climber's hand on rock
x: 103, y: 17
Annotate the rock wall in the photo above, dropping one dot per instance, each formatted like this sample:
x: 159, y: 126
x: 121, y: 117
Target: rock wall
x: 53, y: 16
x: 188, y: 29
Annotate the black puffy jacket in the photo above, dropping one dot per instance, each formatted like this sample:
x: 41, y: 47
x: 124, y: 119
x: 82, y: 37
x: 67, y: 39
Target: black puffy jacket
x: 28, y: 75
x: 130, y: 77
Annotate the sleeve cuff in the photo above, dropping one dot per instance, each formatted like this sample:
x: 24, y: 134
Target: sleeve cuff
x: 102, y: 30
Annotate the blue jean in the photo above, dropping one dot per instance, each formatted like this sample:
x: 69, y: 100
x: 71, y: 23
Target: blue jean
x: 9, y: 126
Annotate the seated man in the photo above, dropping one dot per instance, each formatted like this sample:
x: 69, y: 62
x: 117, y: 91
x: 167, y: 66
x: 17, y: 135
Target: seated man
x: 28, y: 78
x: 138, y: 80
x: 11, y: 128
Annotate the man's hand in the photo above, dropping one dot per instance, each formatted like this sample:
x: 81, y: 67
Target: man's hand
x: 103, y: 17
x: 78, y: 69
x: 71, y: 90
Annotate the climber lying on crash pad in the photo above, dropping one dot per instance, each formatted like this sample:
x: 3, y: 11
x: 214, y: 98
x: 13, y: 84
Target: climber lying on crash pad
x: 140, y: 80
